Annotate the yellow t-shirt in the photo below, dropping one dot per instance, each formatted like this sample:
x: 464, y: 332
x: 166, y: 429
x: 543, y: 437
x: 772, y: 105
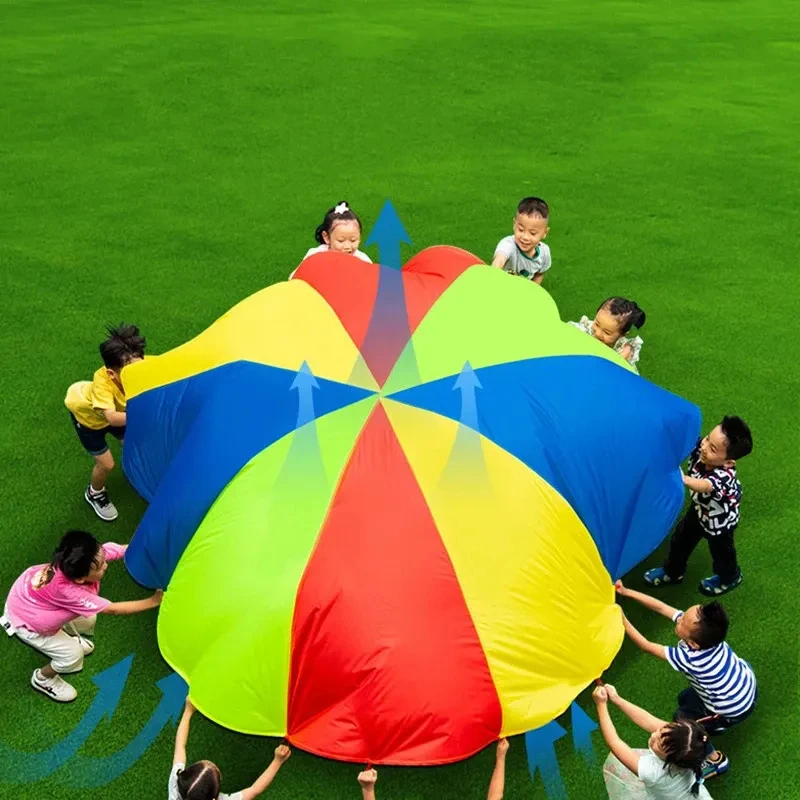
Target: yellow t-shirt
x: 88, y: 399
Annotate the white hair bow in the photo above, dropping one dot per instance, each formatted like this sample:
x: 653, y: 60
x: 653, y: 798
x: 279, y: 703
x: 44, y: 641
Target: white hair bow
x: 341, y: 208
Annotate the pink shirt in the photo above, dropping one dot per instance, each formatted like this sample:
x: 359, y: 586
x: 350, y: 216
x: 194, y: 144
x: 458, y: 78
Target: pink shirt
x: 50, y: 607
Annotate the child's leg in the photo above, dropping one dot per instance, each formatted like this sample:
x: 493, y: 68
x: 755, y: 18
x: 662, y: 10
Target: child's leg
x: 723, y: 555
x: 690, y: 706
x: 84, y: 626
x: 684, y: 540
x: 66, y: 657
x: 103, y: 464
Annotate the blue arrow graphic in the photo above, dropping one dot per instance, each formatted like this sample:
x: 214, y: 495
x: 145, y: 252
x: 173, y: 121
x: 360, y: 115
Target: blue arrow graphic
x: 582, y: 727
x: 468, y: 382
x: 88, y: 773
x: 387, y: 233
x: 542, y: 756
x: 388, y: 333
x: 304, y: 383
x: 18, y: 768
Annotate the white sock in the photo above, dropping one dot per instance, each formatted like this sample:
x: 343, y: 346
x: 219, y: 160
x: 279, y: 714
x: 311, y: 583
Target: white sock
x: 96, y: 492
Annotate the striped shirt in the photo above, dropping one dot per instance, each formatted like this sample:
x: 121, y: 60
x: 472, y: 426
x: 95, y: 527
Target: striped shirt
x: 726, y: 683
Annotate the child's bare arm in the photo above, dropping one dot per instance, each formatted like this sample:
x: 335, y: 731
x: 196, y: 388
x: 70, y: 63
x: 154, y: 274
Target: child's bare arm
x: 134, y: 606
x: 642, y: 642
x: 538, y: 278
x: 648, y: 602
x: 700, y: 485
x: 367, y: 780
x: 282, y: 754
x: 498, y: 782
x: 620, y: 749
x: 644, y: 719
x: 116, y: 419
x: 182, y: 734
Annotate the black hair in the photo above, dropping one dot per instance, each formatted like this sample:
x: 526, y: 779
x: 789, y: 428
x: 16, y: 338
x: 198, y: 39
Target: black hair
x: 740, y: 440
x: 123, y: 344
x: 199, y: 781
x: 533, y: 207
x: 684, y: 744
x: 712, y: 625
x: 332, y: 217
x: 627, y: 311
x: 74, y: 556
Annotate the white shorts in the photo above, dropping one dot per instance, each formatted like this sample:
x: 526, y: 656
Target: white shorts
x: 63, y: 650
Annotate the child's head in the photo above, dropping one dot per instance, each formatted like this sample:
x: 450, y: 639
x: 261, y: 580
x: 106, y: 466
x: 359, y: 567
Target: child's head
x: 703, y: 626
x: 531, y: 223
x: 199, y: 781
x: 683, y: 744
x: 726, y: 443
x: 123, y: 346
x: 80, y: 557
x: 340, y: 230
x: 615, y: 317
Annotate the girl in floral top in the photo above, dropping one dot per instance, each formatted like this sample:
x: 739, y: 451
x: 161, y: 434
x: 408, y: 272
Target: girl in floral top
x: 613, y: 320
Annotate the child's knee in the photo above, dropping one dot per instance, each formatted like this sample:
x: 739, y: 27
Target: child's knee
x: 105, y: 461
x: 69, y: 659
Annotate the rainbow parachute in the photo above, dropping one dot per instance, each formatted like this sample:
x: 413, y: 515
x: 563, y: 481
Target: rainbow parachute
x: 395, y: 549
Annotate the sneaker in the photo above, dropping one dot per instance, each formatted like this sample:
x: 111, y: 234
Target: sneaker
x: 713, y: 769
x: 714, y: 587
x: 56, y: 688
x: 659, y: 577
x: 86, y: 645
x: 102, y: 506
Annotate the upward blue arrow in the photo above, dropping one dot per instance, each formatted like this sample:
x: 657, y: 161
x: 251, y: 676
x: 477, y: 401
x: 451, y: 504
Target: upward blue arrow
x: 540, y: 744
x: 305, y: 383
x: 19, y: 768
x: 582, y: 727
x: 88, y: 773
x: 467, y: 382
x: 387, y: 233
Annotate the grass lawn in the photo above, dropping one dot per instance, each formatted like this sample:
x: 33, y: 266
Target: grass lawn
x: 161, y: 161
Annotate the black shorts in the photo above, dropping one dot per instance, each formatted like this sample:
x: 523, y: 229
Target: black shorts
x: 94, y: 441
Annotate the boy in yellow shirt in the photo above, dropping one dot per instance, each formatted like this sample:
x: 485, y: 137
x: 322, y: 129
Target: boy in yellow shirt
x: 97, y: 408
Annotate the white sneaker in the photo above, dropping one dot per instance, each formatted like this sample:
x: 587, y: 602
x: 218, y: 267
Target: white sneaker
x: 86, y: 645
x: 102, y: 506
x: 56, y: 688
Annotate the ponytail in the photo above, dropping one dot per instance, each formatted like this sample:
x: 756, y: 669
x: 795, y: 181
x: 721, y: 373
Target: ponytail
x: 698, y: 780
x: 626, y: 311
x: 341, y: 212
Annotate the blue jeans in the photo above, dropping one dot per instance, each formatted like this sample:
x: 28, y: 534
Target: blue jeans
x: 691, y: 706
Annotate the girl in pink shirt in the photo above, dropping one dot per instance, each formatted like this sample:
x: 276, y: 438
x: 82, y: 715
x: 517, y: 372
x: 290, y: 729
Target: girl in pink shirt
x: 52, y: 607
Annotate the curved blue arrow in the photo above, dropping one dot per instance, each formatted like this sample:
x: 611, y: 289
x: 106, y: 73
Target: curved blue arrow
x: 305, y: 383
x: 540, y: 744
x: 18, y: 768
x: 582, y: 727
x: 387, y: 233
x: 467, y: 382
x: 88, y: 773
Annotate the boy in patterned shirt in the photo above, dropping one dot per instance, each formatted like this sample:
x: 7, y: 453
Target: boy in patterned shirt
x: 525, y: 253
x: 714, y: 513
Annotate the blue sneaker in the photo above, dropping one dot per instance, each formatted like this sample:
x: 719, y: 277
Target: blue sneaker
x: 714, y: 587
x: 658, y: 577
x: 713, y: 769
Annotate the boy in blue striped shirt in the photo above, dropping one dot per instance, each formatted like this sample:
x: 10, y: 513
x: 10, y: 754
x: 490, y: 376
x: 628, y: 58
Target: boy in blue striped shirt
x: 723, y: 688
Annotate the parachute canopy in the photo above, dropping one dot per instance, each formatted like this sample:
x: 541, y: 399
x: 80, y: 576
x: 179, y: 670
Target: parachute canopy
x: 388, y: 506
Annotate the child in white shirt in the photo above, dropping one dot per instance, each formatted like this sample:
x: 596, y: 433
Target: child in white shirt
x: 340, y: 231
x: 525, y: 253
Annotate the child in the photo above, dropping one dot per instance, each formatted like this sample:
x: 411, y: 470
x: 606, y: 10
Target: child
x: 97, y: 408
x: 723, y: 689
x: 53, y: 606
x: 202, y: 780
x: 340, y: 231
x: 671, y: 767
x: 714, y: 513
x: 525, y: 253
x: 367, y: 780
x: 498, y: 782
x: 615, y: 317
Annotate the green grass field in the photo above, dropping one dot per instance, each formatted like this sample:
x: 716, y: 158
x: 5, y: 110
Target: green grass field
x: 161, y: 161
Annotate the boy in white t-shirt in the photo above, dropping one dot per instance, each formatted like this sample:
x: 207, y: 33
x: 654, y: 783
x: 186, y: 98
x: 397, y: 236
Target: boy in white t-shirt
x: 339, y: 231
x: 525, y: 253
